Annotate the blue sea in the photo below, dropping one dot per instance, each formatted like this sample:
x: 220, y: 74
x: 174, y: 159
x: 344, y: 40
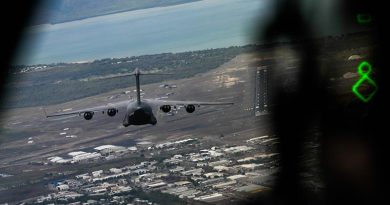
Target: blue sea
x: 192, y: 26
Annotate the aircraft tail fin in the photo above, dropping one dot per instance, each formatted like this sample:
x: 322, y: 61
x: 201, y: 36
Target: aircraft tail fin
x: 136, y: 73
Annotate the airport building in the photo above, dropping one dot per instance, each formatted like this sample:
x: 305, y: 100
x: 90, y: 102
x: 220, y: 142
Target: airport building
x: 110, y: 149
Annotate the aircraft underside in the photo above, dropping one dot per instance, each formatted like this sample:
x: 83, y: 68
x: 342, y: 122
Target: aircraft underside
x: 139, y: 117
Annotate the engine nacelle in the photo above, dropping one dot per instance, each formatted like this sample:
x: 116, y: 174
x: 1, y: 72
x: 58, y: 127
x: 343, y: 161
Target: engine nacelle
x: 165, y: 108
x: 112, y: 112
x: 190, y: 108
x: 88, y: 115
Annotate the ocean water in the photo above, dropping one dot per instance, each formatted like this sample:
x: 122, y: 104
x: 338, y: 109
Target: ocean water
x: 193, y: 26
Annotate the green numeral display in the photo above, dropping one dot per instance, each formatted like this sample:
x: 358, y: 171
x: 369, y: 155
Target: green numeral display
x: 363, y: 18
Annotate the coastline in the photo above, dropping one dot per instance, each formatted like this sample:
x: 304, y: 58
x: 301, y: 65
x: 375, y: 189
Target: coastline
x: 111, y: 13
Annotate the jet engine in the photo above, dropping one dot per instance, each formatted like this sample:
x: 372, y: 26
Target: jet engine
x: 112, y: 112
x: 165, y: 108
x: 88, y: 115
x: 190, y: 108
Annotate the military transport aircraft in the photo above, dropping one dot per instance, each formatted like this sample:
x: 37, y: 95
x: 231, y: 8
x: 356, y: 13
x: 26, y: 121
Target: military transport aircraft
x: 138, y: 112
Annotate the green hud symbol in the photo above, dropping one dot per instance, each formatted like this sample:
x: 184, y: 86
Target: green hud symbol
x: 364, y: 18
x: 364, y: 70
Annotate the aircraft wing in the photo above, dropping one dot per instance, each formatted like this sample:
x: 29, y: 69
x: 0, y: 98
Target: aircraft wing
x: 116, y: 105
x: 184, y: 103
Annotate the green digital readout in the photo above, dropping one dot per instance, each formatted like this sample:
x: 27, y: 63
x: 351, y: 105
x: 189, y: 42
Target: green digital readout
x: 364, y: 69
x: 364, y: 18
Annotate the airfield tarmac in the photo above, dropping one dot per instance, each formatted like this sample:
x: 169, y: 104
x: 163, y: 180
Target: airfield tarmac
x: 233, y: 81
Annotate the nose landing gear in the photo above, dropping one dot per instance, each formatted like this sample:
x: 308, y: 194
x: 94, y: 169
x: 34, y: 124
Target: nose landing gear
x: 126, y: 121
x: 153, y: 120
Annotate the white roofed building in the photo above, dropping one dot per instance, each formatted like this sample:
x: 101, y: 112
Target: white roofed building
x: 87, y: 156
x: 238, y: 149
x: 221, y: 168
x: 97, y: 173
x: 115, y: 170
x: 132, y: 149
x: 62, y: 187
x: 211, y: 175
x: 72, y: 154
x: 59, y: 160
x: 236, y: 177
x: 109, y: 149
x: 249, y: 167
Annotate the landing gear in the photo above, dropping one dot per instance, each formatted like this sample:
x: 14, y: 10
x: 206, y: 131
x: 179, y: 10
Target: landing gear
x: 126, y: 122
x: 153, y: 120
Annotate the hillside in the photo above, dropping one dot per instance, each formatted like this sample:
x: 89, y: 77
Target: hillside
x: 56, y: 83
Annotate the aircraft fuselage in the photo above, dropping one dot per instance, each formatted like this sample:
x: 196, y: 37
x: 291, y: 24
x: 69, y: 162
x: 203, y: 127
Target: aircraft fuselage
x: 139, y: 113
